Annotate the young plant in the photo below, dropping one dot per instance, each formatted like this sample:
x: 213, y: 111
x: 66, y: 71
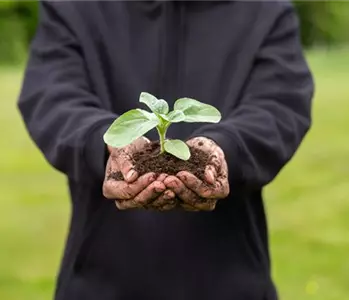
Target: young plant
x: 136, y: 122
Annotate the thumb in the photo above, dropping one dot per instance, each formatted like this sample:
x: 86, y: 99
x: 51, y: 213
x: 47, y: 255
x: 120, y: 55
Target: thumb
x: 124, y: 163
x: 210, y: 174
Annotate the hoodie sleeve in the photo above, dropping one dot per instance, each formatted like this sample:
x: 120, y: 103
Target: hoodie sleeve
x: 263, y: 132
x: 63, y: 116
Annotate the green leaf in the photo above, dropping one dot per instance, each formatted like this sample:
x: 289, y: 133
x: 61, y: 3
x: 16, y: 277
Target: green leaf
x: 148, y: 115
x: 175, y: 116
x: 196, y: 111
x: 177, y: 148
x: 156, y: 105
x: 129, y: 126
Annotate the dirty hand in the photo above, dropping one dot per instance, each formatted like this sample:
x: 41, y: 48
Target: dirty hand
x: 197, y: 194
x: 145, y: 191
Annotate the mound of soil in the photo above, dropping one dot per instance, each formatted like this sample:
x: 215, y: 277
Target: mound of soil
x: 150, y: 160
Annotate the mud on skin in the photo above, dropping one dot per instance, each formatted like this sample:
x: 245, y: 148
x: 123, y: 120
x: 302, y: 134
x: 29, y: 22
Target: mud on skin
x: 150, y: 160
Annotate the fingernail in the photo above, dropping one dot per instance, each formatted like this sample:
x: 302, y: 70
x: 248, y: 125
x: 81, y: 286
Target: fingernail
x: 163, y: 176
x: 152, y: 178
x: 211, y: 175
x: 159, y: 189
x: 130, y: 174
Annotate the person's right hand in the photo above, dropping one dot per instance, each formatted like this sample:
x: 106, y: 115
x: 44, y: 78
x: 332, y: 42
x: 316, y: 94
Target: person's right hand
x: 146, y: 191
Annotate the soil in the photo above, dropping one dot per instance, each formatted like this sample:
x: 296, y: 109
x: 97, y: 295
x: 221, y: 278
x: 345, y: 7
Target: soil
x: 150, y: 160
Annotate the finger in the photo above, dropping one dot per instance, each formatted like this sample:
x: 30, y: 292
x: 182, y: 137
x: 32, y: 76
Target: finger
x: 182, y: 192
x: 166, y: 201
x: 108, y: 168
x: 125, y: 164
x: 126, y: 204
x: 225, y: 187
x: 208, y: 205
x: 210, y: 174
x: 203, y: 144
x: 153, y: 190
x: 204, y: 205
x: 215, y: 160
x: 168, y: 206
x: 214, y: 191
x: 188, y: 196
x: 124, y: 161
x: 112, y: 170
x: 113, y: 189
x: 195, y: 184
x: 223, y: 179
x: 216, y: 154
x: 162, y: 177
x: 188, y: 207
x: 224, y: 169
x: 149, y: 193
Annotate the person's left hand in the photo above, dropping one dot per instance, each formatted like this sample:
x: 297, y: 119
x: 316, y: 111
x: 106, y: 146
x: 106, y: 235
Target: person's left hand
x: 194, y: 193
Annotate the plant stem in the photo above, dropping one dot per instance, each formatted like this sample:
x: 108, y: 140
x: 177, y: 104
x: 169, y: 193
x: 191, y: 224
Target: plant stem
x: 162, y: 137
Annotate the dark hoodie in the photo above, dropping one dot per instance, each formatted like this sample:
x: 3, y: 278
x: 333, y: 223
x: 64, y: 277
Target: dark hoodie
x: 89, y: 61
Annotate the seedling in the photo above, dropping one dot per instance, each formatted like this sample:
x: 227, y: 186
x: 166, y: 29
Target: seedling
x: 136, y: 122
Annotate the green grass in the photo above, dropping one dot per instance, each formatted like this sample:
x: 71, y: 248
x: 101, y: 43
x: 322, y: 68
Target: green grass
x: 307, y: 205
x: 34, y: 208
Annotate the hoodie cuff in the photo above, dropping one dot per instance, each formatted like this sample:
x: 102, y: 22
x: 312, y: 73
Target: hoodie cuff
x: 96, y: 152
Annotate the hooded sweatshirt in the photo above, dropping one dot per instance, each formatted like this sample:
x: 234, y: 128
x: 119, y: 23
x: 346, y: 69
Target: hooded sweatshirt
x: 89, y: 62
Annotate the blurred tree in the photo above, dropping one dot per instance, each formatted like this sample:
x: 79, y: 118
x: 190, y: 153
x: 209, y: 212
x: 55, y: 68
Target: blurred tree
x: 17, y: 25
x: 27, y: 11
x: 323, y: 22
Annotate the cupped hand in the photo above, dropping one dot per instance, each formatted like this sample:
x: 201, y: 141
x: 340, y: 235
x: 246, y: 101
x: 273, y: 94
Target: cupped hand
x: 146, y: 191
x: 196, y: 194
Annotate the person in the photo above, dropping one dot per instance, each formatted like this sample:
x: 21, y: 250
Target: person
x: 170, y: 237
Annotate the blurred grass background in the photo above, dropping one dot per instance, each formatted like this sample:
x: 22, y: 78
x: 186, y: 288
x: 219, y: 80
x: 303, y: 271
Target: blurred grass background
x: 307, y: 205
